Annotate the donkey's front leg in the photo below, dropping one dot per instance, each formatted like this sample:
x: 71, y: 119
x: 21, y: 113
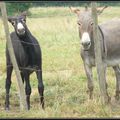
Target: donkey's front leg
x: 90, y: 84
x: 8, y: 85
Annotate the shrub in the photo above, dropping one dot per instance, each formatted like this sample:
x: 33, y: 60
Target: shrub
x: 16, y: 7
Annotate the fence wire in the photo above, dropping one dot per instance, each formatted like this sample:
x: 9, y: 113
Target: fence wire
x: 58, y: 44
x: 34, y: 69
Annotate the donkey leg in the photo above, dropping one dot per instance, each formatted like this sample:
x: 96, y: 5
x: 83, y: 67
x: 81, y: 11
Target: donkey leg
x: 117, y: 74
x: 107, y: 98
x: 27, y: 89
x: 22, y: 76
x: 89, y: 74
x: 40, y: 86
x: 8, y: 85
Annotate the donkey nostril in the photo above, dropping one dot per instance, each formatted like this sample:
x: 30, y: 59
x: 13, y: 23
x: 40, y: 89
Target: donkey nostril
x: 82, y: 43
x: 85, y: 43
x: 88, y: 43
x: 21, y: 30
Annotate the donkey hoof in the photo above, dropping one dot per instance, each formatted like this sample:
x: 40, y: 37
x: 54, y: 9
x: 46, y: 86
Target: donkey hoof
x: 90, y: 93
x: 117, y: 97
x: 91, y: 96
x: 28, y: 107
x: 108, y: 100
x: 7, y: 108
x: 43, y: 107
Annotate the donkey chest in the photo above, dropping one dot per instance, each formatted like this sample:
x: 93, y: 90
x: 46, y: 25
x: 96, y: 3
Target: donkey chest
x: 88, y: 58
x: 21, y: 56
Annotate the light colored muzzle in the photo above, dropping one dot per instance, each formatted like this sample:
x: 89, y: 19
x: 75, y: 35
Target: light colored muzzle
x: 20, y: 28
x: 85, y: 41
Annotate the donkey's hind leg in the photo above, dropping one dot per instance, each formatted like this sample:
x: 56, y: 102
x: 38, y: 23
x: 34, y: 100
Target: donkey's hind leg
x: 117, y: 74
x: 40, y: 86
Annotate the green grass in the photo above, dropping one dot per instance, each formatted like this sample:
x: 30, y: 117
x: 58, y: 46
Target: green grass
x: 63, y: 72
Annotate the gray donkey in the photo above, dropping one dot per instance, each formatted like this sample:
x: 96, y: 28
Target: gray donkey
x: 109, y: 34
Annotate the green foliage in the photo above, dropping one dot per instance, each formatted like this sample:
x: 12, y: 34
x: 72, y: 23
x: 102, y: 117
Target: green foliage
x: 61, y: 3
x: 16, y: 7
x: 73, y: 3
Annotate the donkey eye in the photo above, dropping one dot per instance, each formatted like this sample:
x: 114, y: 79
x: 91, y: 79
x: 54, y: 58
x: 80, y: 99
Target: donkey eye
x: 79, y: 23
x: 91, y: 23
x: 13, y: 22
x: 23, y: 20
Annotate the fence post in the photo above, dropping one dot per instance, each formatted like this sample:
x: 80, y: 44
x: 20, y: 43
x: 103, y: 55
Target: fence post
x: 98, y: 56
x: 23, y: 104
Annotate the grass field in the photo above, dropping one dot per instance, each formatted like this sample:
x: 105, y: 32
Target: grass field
x: 63, y: 72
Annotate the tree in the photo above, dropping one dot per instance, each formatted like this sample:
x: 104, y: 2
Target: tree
x: 17, y: 7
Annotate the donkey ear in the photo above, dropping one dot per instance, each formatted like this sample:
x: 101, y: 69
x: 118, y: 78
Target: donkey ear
x: 11, y: 20
x: 100, y: 10
x: 24, y: 14
x: 76, y: 11
x: 86, y: 8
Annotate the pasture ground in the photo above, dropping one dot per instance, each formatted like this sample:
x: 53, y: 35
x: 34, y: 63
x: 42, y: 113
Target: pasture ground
x: 63, y: 72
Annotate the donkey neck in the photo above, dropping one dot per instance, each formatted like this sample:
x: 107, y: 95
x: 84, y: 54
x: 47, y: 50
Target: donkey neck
x: 26, y: 38
x: 27, y: 42
x: 29, y: 47
x: 91, y: 50
x: 102, y: 42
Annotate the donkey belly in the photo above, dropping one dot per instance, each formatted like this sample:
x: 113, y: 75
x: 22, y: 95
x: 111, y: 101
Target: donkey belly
x: 90, y: 61
x: 112, y: 62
